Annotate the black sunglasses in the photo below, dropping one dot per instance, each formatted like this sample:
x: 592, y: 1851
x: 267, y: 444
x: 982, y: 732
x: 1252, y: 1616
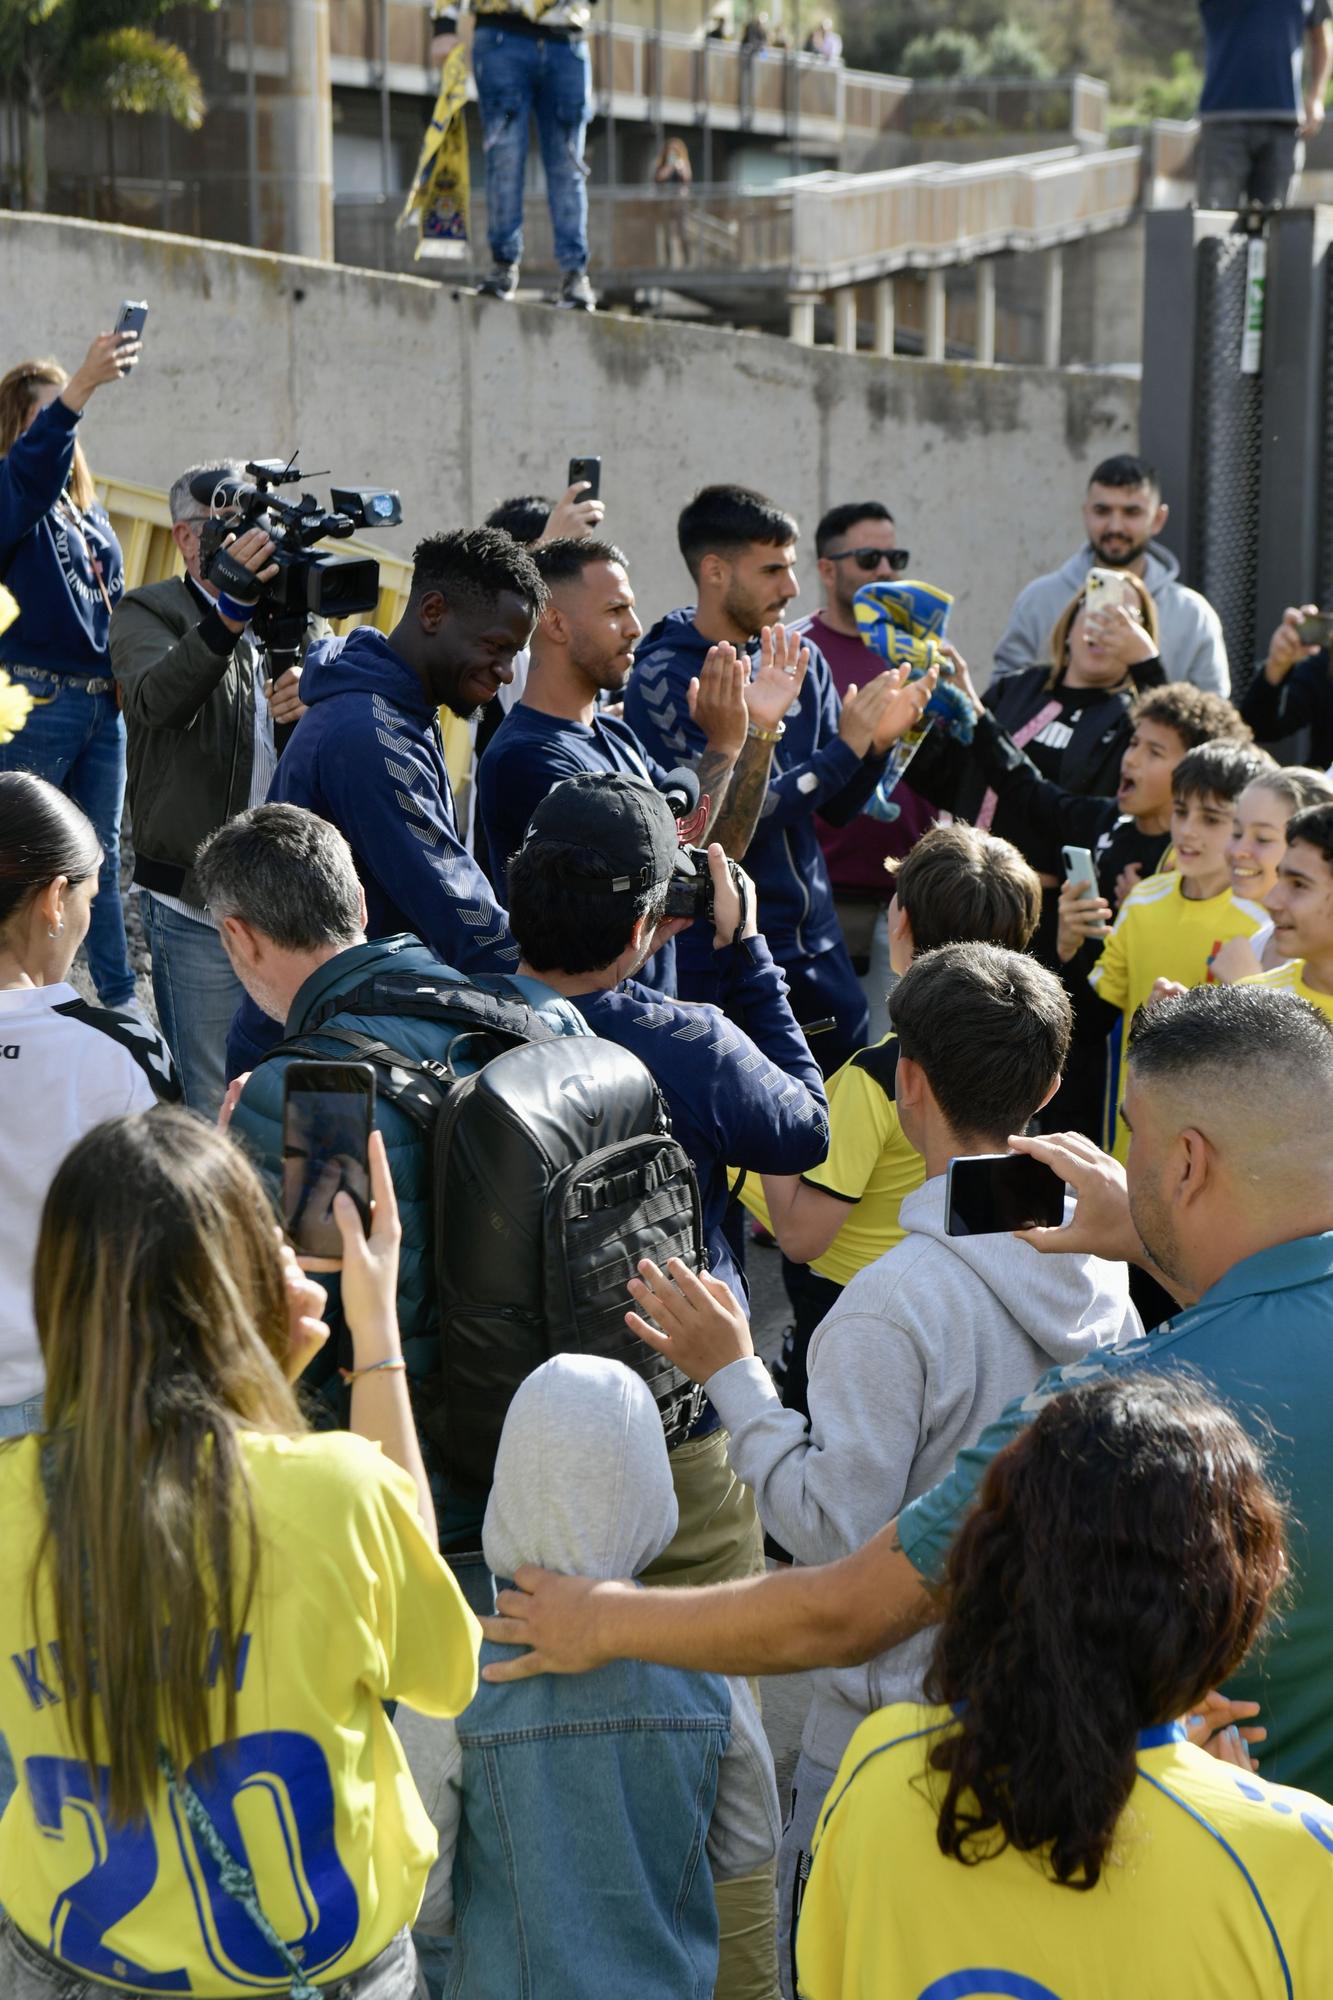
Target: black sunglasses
x: 870, y: 559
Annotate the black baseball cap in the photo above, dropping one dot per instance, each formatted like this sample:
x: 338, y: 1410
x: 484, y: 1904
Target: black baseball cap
x: 619, y: 830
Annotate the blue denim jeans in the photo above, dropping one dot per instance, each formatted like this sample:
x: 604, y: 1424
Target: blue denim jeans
x: 76, y: 740
x: 196, y: 993
x: 29, y: 1973
x: 519, y: 76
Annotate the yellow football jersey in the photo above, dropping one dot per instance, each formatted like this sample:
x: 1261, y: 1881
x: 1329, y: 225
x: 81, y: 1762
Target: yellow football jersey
x: 352, y: 1607
x: 870, y: 1164
x: 1220, y: 1885
x: 1290, y: 978
x: 1160, y: 934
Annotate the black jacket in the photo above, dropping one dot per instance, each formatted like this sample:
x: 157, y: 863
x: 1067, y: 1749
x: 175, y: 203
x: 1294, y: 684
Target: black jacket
x: 956, y: 778
x: 1304, y: 700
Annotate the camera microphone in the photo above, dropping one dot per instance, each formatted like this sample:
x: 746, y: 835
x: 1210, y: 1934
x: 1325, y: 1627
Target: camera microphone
x: 680, y: 789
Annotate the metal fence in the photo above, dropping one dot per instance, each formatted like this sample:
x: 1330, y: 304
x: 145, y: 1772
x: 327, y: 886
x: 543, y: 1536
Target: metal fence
x: 808, y: 233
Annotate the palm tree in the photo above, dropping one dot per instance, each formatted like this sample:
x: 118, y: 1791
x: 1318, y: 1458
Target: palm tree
x: 90, y: 55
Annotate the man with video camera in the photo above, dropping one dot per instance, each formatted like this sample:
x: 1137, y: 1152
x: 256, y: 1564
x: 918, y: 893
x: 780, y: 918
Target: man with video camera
x: 205, y: 721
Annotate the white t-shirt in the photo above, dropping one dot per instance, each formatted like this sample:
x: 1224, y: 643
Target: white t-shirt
x: 64, y: 1067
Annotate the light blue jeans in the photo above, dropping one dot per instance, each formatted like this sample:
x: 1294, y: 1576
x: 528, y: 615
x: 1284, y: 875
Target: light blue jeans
x: 28, y: 1973
x: 196, y: 993
x: 76, y: 741
x: 519, y: 76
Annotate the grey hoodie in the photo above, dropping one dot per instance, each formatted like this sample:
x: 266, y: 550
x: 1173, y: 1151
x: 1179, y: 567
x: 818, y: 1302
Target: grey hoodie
x: 923, y: 1349
x: 583, y: 1485
x: 1189, y: 630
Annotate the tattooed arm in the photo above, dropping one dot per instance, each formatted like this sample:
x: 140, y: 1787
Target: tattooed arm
x: 775, y: 686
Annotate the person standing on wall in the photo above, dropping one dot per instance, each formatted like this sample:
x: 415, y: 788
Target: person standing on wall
x: 530, y: 59
x: 1257, y: 108
x: 60, y: 558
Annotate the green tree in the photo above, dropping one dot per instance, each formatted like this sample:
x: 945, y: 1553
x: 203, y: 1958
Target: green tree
x: 91, y: 56
x: 1010, y: 51
x: 940, y: 57
x: 1174, y: 96
x: 875, y: 35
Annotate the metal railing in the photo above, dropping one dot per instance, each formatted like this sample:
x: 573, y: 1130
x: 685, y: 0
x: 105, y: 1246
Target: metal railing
x: 814, y: 231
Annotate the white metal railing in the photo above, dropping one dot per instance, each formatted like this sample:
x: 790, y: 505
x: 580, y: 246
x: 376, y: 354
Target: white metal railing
x: 826, y: 229
x: 848, y: 226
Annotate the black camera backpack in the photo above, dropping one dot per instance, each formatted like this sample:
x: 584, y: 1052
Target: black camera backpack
x: 553, y: 1172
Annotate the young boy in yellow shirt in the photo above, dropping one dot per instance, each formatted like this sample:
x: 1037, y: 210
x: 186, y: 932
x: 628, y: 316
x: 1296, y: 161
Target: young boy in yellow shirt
x: 1172, y: 926
x: 956, y: 886
x: 1301, y: 906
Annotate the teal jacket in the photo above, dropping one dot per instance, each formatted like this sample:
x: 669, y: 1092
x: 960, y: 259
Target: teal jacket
x: 257, y: 1124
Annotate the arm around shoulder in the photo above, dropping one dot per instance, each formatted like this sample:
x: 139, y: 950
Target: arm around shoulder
x: 839, y: 1615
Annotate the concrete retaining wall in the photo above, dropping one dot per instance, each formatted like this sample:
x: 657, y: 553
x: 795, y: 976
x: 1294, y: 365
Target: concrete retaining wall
x: 399, y: 381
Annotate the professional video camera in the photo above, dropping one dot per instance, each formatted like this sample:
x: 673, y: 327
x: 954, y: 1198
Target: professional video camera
x: 308, y: 584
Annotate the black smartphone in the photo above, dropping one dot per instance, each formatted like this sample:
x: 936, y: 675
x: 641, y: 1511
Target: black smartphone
x: 132, y: 317
x: 994, y: 1192
x: 1316, y: 631
x: 328, y: 1110
x: 589, y: 471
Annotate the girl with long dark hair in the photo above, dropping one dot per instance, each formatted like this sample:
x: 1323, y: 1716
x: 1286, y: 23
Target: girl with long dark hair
x: 205, y: 1607
x: 1047, y: 1830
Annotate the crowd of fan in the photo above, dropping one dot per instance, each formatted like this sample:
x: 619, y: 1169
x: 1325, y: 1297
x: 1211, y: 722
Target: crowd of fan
x: 1030, y: 1552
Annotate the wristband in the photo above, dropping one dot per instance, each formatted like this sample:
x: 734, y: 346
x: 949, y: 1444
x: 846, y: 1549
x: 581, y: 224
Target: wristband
x: 394, y: 1364
x: 240, y: 614
x: 766, y: 735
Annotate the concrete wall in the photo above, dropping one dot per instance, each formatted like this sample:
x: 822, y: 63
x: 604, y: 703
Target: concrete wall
x: 457, y: 402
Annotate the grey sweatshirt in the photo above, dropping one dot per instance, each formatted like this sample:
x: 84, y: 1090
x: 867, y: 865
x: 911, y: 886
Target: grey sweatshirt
x: 583, y: 1485
x: 923, y: 1349
x: 1189, y: 630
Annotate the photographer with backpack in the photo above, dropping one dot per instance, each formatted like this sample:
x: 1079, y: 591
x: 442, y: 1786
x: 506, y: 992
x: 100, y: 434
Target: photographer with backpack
x: 281, y: 886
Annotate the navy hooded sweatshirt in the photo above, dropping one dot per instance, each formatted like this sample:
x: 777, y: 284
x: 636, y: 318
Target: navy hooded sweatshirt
x: 47, y: 553
x: 813, y: 771
x: 368, y: 757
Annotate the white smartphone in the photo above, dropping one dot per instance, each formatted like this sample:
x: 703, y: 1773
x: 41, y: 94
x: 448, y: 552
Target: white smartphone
x: 1080, y: 868
x: 1106, y: 587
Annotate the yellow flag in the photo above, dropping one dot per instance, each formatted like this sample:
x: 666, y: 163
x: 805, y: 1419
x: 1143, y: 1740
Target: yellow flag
x: 438, y: 197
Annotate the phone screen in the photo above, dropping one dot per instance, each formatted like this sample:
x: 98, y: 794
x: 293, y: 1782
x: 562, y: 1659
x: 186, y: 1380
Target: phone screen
x: 1316, y: 631
x: 327, y: 1113
x: 995, y: 1192
x: 589, y: 470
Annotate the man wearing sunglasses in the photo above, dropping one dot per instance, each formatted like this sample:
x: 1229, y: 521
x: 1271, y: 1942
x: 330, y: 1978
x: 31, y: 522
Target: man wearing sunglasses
x: 856, y: 544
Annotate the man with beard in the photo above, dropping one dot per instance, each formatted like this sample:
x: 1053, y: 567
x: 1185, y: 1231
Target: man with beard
x: 1122, y: 514
x: 582, y: 649
x: 368, y: 756
x: 827, y: 757
x: 1227, y: 1196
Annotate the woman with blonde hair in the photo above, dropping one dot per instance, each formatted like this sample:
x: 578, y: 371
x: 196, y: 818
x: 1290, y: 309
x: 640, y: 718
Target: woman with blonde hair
x: 205, y: 1607
x: 60, y: 559
x: 1070, y: 714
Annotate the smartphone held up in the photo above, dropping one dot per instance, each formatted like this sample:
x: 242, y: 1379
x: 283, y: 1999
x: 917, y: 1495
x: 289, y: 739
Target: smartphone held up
x: 993, y: 1193
x: 328, y: 1113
